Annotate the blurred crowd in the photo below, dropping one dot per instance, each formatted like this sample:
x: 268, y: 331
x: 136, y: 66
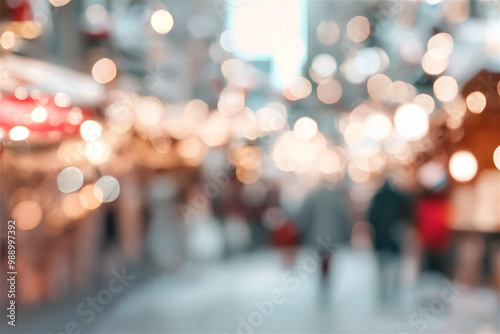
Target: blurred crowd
x: 161, y: 136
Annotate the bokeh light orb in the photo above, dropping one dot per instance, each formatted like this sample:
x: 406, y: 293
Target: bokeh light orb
x: 329, y: 91
x: 59, y: 3
x: 70, y: 179
x: 435, y: 62
x: 28, y: 214
x: 463, y: 166
x: 21, y: 93
x: 358, y: 29
x: 107, y: 189
x: 90, y: 131
x: 323, y: 66
x: 8, y: 40
x: 432, y: 175
x: 72, y: 206
x: 87, y: 198
x: 379, y: 87
x: 216, y: 130
x: 441, y: 41
x: 411, y: 121
x: 248, y: 176
x: 379, y: 127
x: 19, y: 133
x: 39, y: 114
x: 162, y: 21
x: 329, y: 162
x: 355, y: 133
x: 496, y: 157
x: 476, y: 102
x: 62, y: 100
x: 305, y: 128
x: 445, y: 88
x: 328, y: 32
x: 104, y: 70
x: 425, y: 101
x: 97, y: 16
x: 299, y: 88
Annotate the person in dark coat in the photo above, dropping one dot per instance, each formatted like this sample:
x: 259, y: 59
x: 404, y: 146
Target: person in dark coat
x: 324, y: 217
x: 388, y: 213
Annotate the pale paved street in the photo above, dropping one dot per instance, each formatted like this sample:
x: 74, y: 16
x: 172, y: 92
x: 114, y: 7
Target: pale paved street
x: 222, y: 297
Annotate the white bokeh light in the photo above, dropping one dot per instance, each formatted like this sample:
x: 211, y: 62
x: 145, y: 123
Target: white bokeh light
x: 379, y: 127
x: 496, y: 157
x: 411, y: 121
x: 70, y: 179
x: 90, y: 130
x: 107, y: 189
x: 18, y: 133
x: 463, y: 166
x: 39, y: 115
x: 305, y: 128
x: 432, y: 175
x: 162, y: 21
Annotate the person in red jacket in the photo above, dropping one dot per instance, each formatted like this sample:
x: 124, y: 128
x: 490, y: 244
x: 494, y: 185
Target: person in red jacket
x: 433, y: 220
x: 284, y: 235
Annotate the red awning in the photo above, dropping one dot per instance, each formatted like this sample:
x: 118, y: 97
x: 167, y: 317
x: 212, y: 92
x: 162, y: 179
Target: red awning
x: 46, y: 122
